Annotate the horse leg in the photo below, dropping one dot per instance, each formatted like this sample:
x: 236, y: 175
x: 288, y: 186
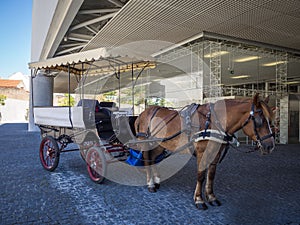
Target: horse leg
x: 153, y: 177
x: 147, y: 164
x: 156, y: 176
x: 199, y: 201
x: 210, y: 176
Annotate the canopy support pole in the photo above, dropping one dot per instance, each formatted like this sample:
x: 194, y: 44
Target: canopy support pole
x: 69, y: 95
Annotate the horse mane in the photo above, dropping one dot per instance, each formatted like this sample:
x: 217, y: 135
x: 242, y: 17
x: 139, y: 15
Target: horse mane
x: 237, y: 101
x: 268, y: 113
x: 234, y: 102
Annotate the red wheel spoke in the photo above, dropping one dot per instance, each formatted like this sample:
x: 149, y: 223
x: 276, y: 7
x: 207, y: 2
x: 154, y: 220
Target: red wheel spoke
x: 49, y: 153
x: 96, y: 164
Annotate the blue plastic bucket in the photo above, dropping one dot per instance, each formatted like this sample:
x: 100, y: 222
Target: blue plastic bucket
x: 135, y: 158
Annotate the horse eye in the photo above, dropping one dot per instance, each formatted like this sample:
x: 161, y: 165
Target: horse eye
x: 258, y: 121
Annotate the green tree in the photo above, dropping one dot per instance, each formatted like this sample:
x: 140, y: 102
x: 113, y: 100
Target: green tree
x: 65, y: 100
x: 110, y: 94
x: 156, y: 101
x: 2, y: 99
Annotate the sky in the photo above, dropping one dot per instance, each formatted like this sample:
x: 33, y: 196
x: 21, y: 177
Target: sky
x: 15, y: 37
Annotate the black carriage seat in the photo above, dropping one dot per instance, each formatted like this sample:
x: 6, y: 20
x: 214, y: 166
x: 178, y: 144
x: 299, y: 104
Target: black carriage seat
x: 90, y: 106
x: 103, y: 118
x: 108, y: 104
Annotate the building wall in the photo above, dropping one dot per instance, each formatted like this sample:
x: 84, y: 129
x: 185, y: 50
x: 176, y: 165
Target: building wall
x: 14, y: 93
x: 14, y: 111
x: 16, y: 105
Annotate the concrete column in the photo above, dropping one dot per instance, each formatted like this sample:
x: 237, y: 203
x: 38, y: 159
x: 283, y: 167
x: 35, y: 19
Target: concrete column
x: 284, y: 119
x: 266, y: 89
x: 41, y: 94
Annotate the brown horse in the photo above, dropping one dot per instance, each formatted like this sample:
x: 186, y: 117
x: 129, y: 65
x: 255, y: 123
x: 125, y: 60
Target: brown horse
x: 207, y: 129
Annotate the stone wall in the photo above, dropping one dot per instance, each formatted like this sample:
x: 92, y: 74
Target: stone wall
x: 16, y: 105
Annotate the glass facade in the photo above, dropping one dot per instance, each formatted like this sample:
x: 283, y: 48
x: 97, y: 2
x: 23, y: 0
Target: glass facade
x: 234, y: 70
x: 200, y: 72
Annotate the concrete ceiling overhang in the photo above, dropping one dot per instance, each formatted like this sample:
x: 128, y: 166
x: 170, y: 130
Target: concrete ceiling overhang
x: 112, y: 23
x: 88, y: 19
x: 272, y: 22
x: 62, y: 19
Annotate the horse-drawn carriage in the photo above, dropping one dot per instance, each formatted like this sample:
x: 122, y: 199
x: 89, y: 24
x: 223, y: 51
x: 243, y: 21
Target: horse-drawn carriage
x: 91, y: 129
x: 106, y: 134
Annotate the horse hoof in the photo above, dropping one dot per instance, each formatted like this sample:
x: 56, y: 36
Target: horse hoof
x: 152, y: 189
x: 215, y: 203
x: 201, y: 206
x: 157, y: 186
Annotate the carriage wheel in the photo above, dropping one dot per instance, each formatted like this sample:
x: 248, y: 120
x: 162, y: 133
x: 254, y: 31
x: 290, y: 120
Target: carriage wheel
x: 96, y: 164
x: 49, y: 153
x: 90, y: 140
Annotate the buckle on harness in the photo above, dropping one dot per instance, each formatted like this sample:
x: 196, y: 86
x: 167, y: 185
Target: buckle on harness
x: 142, y: 134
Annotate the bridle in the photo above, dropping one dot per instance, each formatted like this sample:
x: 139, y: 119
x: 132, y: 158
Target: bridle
x: 258, y: 122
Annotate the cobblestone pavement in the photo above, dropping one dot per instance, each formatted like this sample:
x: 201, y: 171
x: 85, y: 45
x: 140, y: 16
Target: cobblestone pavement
x: 253, y: 189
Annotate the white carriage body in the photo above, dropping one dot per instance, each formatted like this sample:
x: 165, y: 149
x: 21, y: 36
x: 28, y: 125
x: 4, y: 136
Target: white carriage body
x: 59, y: 116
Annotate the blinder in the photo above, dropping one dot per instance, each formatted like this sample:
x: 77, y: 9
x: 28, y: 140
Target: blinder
x: 258, y: 122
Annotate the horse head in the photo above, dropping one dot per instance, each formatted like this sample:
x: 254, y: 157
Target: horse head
x: 257, y: 126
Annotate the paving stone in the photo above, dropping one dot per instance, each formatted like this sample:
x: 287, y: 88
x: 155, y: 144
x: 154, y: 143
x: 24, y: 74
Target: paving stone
x: 253, y: 189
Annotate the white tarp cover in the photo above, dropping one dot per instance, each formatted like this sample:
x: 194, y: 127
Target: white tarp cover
x: 59, y: 116
x: 91, y: 55
x: 127, y: 53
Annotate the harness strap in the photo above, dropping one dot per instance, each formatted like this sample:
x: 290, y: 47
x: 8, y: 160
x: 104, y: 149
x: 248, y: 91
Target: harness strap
x: 217, y: 136
x: 153, y: 114
x: 214, y: 135
x: 160, y: 126
x: 186, y: 113
x: 141, y: 134
x: 267, y: 136
x: 252, y: 117
x: 172, y: 136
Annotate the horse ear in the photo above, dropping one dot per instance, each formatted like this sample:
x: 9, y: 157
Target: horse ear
x: 256, y: 99
x: 273, y: 110
x: 267, y: 99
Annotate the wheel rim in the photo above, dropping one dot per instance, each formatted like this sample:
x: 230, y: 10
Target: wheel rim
x: 48, y: 154
x: 94, y: 165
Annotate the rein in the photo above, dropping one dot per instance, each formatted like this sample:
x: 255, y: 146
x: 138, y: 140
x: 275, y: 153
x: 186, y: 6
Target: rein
x: 186, y: 112
x: 218, y: 134
x: 221, y: 136
x: 162, y: 125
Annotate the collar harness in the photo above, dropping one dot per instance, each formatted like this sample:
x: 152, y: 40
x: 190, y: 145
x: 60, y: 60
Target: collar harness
x: 218, y: 135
